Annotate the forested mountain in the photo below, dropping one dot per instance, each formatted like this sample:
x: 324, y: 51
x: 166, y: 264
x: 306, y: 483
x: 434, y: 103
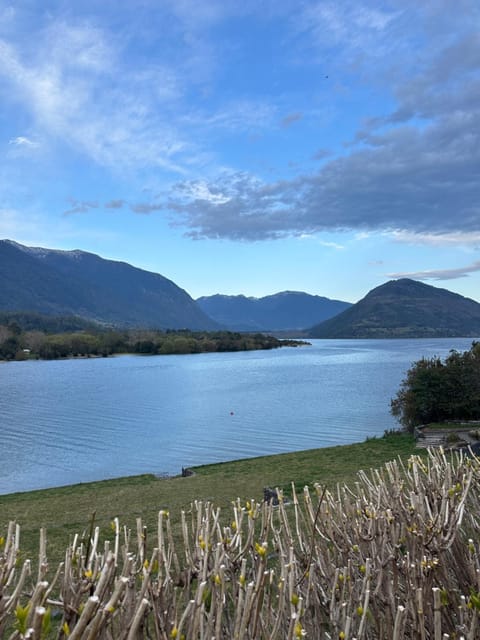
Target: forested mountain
x: 77, y: 283
x: 405, y: 309
x: 288, y: 310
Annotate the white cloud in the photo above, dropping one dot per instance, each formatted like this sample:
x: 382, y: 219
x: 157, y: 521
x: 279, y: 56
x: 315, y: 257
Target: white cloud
x: 454, y: 239
x: 413, y: 172
x: 343, y: 31
x: 79, y: 93
x: 373, y: 18
x: 323, y: 243
x: 201, y: 191
x: 240, y: 115
x: 331, y: 245
x: 415, y: 182
x: 23, y: 141
x: 439, y: 274
x: 79, y: 46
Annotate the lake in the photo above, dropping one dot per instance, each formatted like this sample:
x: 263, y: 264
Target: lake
x: 73, y: 421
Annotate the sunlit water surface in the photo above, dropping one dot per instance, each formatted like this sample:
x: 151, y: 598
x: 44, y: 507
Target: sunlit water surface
x: 79, y: 420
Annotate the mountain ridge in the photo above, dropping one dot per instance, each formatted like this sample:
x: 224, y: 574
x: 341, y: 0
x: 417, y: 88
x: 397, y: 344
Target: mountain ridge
x: 114, y: 293
x: 283, y: 311
x: 404, y: 308
x: 106, y: 291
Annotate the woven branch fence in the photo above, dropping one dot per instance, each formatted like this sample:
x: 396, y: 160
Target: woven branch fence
x: 394, y: 557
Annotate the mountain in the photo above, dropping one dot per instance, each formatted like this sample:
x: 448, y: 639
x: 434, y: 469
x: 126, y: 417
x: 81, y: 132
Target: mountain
x: 83, y: 284
x: 405, y: 309
x: 288, y: 310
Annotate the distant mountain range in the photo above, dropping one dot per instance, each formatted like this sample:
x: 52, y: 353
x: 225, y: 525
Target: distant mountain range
x: 405, y: 309
x: 55, y: 283
x: 288, y: 310
x: 83, y: 284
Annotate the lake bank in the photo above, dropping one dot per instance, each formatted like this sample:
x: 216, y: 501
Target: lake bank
x: 319, y: 546
x: 67, y: 510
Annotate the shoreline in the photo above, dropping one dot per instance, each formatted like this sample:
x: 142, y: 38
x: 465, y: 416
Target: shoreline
x: 210, y: 467
x: 220, y: 466
x: 64, y: 511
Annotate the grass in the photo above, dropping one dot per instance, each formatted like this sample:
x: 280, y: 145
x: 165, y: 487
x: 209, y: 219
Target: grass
x: 68, y: 510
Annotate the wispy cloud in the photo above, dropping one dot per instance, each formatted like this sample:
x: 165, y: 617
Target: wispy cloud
x: 24, y: 147
x: 453, y: 239
x: 78, y: 92
x: 321, y: 154
x: 323, y: 243
x: 80, y: 207
x: 354, y: 27
x: 331, y: 245
x: 146, y: 208
x: 240, y: 115
x: 291, y: 118
x: 439, y: 274
x: 115, y: 204
x: 23, y: 141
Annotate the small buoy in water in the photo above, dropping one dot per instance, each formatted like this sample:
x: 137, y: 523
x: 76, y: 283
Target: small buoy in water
x: 231, y: 413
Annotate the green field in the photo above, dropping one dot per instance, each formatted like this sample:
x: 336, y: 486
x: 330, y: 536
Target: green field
x: 68, y: 510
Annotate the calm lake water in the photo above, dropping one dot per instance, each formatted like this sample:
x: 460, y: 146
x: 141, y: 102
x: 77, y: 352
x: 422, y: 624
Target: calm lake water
x: 79, y: 420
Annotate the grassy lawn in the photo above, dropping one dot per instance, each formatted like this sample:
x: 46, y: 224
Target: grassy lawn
x: 67, y: 510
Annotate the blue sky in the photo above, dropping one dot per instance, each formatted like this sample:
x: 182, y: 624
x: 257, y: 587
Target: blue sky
x: 247, y: 147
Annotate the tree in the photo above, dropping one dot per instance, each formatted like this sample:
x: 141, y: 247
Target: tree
x: 34, y: 339
x: 9, y: 348
x: 436, y: 391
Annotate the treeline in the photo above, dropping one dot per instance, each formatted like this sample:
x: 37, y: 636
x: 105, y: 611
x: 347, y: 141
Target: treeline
x: 17, y: 344
x: 437, y: 390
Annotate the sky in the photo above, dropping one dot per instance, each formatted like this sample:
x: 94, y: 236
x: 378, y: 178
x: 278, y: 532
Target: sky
x: 247, y: 147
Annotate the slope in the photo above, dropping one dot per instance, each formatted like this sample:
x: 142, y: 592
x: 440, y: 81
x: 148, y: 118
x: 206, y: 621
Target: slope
x: 287, y: 310
x: 86, y: 285
x: 405, y: 309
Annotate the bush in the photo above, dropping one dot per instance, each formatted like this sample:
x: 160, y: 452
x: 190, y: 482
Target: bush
x: 438, y: 391
x: 396, y: 556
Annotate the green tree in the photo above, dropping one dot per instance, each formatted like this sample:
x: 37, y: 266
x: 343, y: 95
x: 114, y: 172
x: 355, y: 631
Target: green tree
x: 436, y: 391
x: 9, y: 348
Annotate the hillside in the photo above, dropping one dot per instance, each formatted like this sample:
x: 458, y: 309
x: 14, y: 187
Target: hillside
x: 288, y: 310
x: 405, y: 309
x: 77, y: 283
x: 32, y: 321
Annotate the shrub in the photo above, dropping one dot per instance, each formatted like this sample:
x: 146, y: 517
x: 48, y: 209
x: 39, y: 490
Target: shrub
x: 395, y: 558
x: 438, y: 391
